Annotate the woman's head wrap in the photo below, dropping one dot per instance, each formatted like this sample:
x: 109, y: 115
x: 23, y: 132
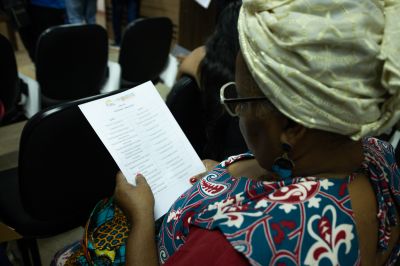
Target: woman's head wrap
x: 327, y: 64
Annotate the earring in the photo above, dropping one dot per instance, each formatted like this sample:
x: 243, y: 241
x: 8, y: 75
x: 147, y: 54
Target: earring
x: 283, y: 165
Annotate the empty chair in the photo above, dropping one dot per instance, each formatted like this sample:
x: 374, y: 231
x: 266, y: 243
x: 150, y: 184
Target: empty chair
x: 144, y: 50
x: 18, y: 93
x: 63, y: 170
x: 71, y: 63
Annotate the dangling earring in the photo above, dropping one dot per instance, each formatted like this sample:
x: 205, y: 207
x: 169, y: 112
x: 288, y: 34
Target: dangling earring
x: 283, y: 166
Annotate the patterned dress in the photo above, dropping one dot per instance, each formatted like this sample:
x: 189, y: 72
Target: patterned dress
x: 298, y: 221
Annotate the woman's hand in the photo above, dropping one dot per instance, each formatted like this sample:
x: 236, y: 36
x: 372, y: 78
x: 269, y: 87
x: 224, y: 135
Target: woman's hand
x: 137, y: 202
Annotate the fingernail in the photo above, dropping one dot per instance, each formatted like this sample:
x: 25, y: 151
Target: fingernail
x: 192, y: 180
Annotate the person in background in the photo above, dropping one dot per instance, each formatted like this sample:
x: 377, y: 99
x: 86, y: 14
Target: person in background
x: 118, y: 7
x: 217, y: 68
x: 212, y: 132
x: 221, y: 4
x: 43, y: 14
x: 81, y: 11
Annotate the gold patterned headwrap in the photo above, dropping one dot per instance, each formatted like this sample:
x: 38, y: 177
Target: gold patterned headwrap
x: 327, y: 64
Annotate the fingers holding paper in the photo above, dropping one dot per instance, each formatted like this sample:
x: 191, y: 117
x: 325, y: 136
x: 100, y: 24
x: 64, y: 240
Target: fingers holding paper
x: 137, y: 202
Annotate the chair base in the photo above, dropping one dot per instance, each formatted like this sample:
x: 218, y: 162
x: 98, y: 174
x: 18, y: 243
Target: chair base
x: 29, y: 251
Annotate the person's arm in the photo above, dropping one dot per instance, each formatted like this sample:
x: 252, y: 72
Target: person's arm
x: 141, y: 246
x: 137, y: 202
x: 190, y: 64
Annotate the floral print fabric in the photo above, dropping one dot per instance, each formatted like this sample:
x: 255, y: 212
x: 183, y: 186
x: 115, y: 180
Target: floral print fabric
x: 298, y: 221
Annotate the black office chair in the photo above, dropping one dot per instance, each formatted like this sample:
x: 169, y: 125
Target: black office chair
x: 144, y: 50
x: 185, y: 103
x: 10, y: 84
x: 71, y: 62
x: 63, y: 170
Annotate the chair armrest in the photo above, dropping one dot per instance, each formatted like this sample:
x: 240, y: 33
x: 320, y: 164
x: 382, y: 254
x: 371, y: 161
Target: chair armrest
x: 168, y: 76
x: 32, y: 103
x: 114, y: 78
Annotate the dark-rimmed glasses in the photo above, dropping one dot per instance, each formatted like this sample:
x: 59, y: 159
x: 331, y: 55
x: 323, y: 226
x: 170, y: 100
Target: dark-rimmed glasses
x: 229, y: 98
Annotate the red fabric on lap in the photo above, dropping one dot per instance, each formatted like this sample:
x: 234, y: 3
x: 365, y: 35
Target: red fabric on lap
x: 206, y: 247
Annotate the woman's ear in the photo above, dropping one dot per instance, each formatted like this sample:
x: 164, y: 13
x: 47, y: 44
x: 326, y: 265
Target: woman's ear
x: 293, y: 133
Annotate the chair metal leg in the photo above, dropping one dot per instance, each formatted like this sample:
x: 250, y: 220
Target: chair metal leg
x: 35, y: 252
x: 4, y: 261
x: 29, y: 251
x: 23, y: 248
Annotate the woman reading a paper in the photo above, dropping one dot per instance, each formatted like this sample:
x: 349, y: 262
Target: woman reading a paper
x: 308, y: 91
x: 313, y: 80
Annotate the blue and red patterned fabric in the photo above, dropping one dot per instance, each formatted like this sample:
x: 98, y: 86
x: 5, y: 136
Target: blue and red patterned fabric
x: 298, y: 221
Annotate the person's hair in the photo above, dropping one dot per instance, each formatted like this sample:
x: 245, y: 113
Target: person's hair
x: 216, y: 69
x: 218, y: 64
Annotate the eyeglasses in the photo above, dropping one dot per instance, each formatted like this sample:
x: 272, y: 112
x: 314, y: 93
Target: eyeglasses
x: 229, y: 98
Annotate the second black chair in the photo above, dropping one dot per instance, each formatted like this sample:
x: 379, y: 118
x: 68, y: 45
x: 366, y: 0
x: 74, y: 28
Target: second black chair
x: 71, y: 62
x: 144, y: 50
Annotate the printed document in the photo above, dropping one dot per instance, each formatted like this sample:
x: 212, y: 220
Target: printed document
x: 142, y: 136
x: 204, y: 3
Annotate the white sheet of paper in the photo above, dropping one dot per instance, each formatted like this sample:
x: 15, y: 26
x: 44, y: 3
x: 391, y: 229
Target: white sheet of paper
x: 141, y: 135
x: 204, y: 3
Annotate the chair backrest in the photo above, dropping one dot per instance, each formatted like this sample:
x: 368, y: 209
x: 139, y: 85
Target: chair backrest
x: 185, y: 103
x: 71, y: 62
x: 144, y: 50
x: 9, y: 92
x: 64, y: 168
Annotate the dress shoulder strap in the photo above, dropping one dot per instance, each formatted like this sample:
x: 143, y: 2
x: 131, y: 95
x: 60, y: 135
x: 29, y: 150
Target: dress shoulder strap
x: 235, y: 158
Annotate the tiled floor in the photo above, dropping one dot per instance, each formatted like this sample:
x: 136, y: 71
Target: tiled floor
x: 49, y: 246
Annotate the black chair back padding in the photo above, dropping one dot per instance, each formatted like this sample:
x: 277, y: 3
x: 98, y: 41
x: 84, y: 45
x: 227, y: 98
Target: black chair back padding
x: 13, y: 214
x: 9, y: 92
x: 144, y: 50
x: 71, y: 62
x: 185, y: 103
x: 64, y: 168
